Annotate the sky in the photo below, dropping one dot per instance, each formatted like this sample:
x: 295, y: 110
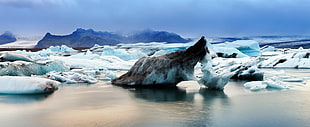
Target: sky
x: 189, y: 18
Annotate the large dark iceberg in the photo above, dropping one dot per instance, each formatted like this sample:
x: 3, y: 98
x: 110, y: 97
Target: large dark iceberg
x: 168, y: 69
x: 88, y: 38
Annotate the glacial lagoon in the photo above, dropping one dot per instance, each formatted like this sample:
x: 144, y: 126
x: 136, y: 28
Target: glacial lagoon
x: 188, y: 105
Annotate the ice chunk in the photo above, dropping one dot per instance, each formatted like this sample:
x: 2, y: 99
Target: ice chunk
x: 12, y: 56
x: 248, y: 47
x: 102, y: 74
x: 26, y: 85
x: 259, y: 85
x: 22, y: 68
x: 255, y: 85
x: 62, y: 48
x: 71, y: 77
x: 291, y: 60
x: 125, y: 54
x: 104, y: 62
x: 212, y: 79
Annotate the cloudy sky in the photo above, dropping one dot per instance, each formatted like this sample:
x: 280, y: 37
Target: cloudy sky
x: 190, y: 18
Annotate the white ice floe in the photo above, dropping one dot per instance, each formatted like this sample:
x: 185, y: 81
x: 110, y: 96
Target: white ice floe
x: 248, y: 47
x: 12, y: 56
x: 26, y: 85
x: 268, y: 48
x: 290, y: 60
x: 101, y: 74
x: 260, y: 85
x: 71, y: 77
x: 125, y: 54
x: 92, y: 61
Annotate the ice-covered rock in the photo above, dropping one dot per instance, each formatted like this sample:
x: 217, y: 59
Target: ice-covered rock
x: 163, y: 70
x: 71, y: 77
x: 26, y: 85
x: 22, y: 68
x: 248, y: 47
x: 12, y: 56
x: 290, y: 60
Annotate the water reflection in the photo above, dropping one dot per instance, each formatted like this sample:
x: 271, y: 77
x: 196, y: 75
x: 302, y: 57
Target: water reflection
x: 162, y: 94
x: 23, y: 99
x: 182, y: 107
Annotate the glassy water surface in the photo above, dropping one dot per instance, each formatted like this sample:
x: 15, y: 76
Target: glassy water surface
x: 104, y: 105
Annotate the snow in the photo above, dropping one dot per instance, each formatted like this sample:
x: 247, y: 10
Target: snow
x: 26, y: 85
x: 71, y: 77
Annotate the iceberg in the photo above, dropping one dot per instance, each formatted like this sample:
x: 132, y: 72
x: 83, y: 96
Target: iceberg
x: 289, y: 60
x: 243, y: 68
x: 23, y: 68
x: 71, y: 77
x: 12, y: 56
x: 103, y: 62
x: 26, y: 85
x: 247, y: 47
x: 168, y: 69
x: 213, y: 79
x: 125, y: 54
x: 101, y: 74
x: 260, y: 85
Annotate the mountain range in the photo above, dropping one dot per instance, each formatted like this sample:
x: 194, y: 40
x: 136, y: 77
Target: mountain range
x: 88, y: 38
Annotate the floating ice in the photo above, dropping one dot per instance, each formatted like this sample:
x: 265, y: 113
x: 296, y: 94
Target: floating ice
x: 290, y: 60
x: 22, y: 68
x: 101, y: 74
x: 248, y: 47
x: 26, y: 85
x: 104, y: 62
x: 125, y: 54
x: 12, y: 56
x: 71, y: 77
x: 259, y: 85
x: 213, y: 79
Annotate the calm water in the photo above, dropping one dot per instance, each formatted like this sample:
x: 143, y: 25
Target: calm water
x: 105, y: 105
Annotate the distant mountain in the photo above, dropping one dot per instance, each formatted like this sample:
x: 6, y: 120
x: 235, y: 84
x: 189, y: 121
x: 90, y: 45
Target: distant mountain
x: 157, y: 36
x: 88, y: 38
x: 7, y: 37
x: 80, y: 38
